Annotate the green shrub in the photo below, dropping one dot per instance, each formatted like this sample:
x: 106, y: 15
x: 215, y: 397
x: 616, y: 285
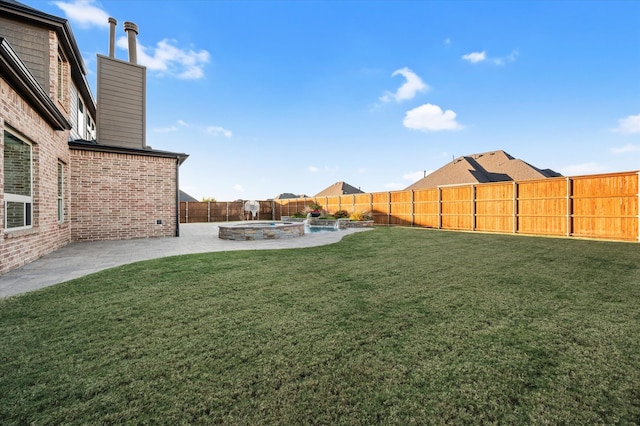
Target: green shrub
x: 361, y: 216
x: 341, y: 214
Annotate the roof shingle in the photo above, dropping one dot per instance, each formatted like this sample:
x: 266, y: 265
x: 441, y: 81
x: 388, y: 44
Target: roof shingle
x: 493, y: 166
x: 338, y: 188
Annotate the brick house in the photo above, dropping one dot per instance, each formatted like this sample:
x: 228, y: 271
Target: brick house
x: 72, y: 170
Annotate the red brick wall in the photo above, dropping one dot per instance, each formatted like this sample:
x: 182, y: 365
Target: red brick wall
x: 121, y: 196
x: 49, y: 146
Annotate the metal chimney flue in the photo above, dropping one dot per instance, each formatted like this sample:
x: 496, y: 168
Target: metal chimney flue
x: 132, y: 32
x: 112, y: 37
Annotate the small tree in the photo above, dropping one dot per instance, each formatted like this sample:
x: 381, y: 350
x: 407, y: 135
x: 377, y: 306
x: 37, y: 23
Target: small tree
x: 208, y: 200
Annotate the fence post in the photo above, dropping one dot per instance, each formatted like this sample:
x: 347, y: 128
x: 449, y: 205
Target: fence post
x: 371, y: 205
x: 473, y: 207
x: 413, y: 209
x: 515, y: 207
x: 353, y: 203
x: 388, y: 208
x: 439, y: 208
x: 569, y: 208
x: 186, y: 212
x: 227, y: 211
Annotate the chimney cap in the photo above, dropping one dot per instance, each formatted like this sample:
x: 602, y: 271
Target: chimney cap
x: 130, y: 26
x: 112, y: 20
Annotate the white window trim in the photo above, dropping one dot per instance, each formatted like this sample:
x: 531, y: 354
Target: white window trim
x: 60, y: 198
x: 82, y: 120
x: 8, y: 197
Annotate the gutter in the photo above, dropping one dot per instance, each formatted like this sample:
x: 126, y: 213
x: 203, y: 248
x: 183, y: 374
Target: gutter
x: 94, y: 146
x: 177, y: 197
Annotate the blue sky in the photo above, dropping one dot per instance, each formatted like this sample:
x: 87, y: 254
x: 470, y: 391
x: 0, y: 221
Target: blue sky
x: 292, y: 96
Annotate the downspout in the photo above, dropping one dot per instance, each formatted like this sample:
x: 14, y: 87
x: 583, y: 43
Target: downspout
x: 177, y: 197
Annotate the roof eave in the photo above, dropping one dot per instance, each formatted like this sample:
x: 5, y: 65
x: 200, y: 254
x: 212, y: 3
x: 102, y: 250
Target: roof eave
x: 93, y: 146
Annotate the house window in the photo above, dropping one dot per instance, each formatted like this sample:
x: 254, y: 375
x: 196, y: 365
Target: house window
x: 82, y: 128
x: 17, y: 182
x: 60, y: 192
x: 61, y: 68
x: 91, y: 129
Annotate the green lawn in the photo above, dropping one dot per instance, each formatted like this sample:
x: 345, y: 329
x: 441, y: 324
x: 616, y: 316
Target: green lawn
x: 392, y: 326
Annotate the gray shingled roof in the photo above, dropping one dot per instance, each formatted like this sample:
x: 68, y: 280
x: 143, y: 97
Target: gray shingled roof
x: 338, y: 188
x: 186, y: 197
x: 287, y: 195
x: 493, y: 166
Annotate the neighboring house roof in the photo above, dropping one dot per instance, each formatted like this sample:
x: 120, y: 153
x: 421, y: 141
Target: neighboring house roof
x: 186, y: 197
x: 22, y: 80
x: 493, y: 166
x: 286, y: 195
x: 339, y: 188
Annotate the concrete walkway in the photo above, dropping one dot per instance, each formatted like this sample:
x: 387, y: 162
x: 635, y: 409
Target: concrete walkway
x: 83, y: 258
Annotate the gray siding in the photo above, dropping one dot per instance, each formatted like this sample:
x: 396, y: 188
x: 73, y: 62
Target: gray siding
x: 121, y: 103
x: 32, y: 44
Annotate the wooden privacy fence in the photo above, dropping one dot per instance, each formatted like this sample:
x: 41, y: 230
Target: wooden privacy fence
x: 596, y: 206
x: 222, y: 211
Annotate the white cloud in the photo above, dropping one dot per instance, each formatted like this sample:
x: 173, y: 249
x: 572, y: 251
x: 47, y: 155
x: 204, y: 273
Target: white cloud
x: 169, y: 59
x: 182, y: 123
x: 415, y: 176
x: 219, y: 131
x: 475, y: 57
x: 165, y: 129
x: 326, y: 169
x: 582, y: 169
x: 630, y: 124
x: 513, y: 55
x: 409, y: 89
x: 238, y: 187
x: 430, y: 118
x: 84, y: 14
x: 627, y: 148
